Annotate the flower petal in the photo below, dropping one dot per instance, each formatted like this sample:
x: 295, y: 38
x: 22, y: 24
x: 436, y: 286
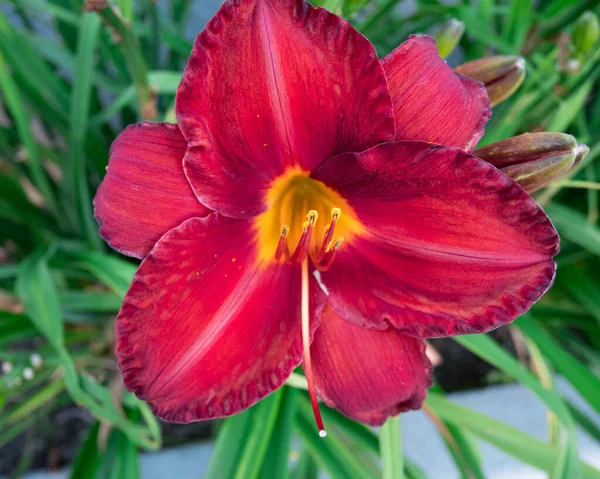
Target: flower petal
x: 271, y: 84
x: 451, y: 244
x: 368, y: 375
x: 431, y: 103
x: 204, y: 331
x: 144, y: 193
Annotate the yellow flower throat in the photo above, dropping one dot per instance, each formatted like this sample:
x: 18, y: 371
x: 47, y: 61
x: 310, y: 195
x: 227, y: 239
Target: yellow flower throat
x: 304, y: 219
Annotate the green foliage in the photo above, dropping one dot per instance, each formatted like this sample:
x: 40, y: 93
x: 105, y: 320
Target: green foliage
x: 65, y: 95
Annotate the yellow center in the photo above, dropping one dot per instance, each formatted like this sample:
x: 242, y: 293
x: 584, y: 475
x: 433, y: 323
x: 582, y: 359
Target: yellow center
x: 290, y: 197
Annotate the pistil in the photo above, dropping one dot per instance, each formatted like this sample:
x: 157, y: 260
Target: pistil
x: 306, y: 345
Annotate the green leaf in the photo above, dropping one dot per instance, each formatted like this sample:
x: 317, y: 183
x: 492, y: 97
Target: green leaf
x: 120, y: 461
x: 31, y: 69
x: 229, y: 445
x: 45, y: 395
x: 464, y: 453
x: 15, y: 327
x: 16, y: 106
x: 88, y: 461
x: 323, y: 452
x: 258, y: 437
x: 586, y: 423
x: 511, y: 440
x: 518, y: 22
x: 75, y: 189
x: 363, y: 436
x: 392, y: 456
x: 573, y: 225
x: 584, y: 288
x: 570, y: 107
x: 133, y: 57
x: 35, y: 288
x: 116, y: 273
x: 330, y: 452
x: 490, y: 351
x: 87, y: 301
x: 276, y: 462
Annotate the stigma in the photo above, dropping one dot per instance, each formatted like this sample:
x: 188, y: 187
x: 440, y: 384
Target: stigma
x: 323, y: 256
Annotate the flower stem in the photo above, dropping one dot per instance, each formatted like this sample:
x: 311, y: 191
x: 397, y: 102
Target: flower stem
x: 392, y: 458
x: 134, y: 58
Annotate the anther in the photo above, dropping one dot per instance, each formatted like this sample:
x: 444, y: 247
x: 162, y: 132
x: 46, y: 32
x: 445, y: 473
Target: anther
x: 312, y: 216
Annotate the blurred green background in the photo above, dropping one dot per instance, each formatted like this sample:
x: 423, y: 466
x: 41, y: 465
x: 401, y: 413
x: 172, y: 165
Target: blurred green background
x: 70, y: 80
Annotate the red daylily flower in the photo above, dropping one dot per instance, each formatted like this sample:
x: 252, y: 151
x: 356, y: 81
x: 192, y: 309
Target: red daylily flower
x: 293, y: 137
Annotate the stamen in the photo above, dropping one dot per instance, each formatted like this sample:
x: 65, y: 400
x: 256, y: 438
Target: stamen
x: 325, y: 245
x: 306, y: 345
x: 282, y: 246
x: 326, y: 260
x: 301, y: 251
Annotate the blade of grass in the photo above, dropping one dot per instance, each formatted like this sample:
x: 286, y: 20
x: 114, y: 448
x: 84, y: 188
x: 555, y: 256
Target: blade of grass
x: 15, y: 104
x: 392, y: 457
x: 587, y: 424
x: 276, y: 463
x: 257, y: 439
x: 573, y: 225
x: 134, y: 58
x: 330, y: 450
x: 570, y: 108
x: 511, y: 440
x: 490, y: 351
x: 35, y: 287
x: 76, y: 190
x: 587, y: 383
x: 229, y: 445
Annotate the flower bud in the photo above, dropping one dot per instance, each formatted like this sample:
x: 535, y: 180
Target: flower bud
x: 535, y: 160
x: 448, y: 36
x: 586, y: 32
x: 501, y: 75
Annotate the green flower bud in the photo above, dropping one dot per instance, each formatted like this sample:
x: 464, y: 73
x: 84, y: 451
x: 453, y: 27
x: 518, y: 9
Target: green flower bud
x: 535, y: 160
x: 448, y: 36
x: 586, y: 32
x: 501, y: 75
